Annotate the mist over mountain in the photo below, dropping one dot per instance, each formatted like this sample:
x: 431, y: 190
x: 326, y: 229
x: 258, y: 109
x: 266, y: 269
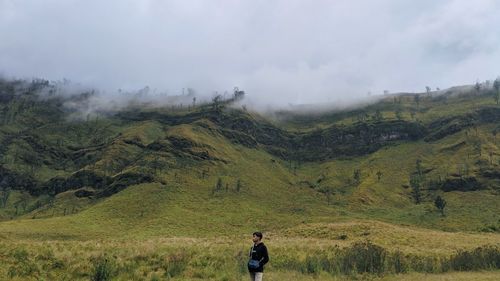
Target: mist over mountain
x: 280, y: 52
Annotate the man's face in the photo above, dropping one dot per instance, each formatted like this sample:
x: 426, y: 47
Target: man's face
x: 255, y: 238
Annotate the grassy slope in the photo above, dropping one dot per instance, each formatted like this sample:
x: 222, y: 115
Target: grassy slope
x: 272, y: 197
x: 273, y: 194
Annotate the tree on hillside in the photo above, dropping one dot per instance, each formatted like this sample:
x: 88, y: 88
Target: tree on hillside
x: 427, y: 89
x: 417, y: 99
x: 357, y: 176
x: 237, y: 94
x: 328, y: 192
x: 477, y: 87
x: 379, y: 175
x: 440, y: 204
x: 496, y: 87
x: 4, y: 196
x: 415, y: 182
x: 218, y: 186
x: 418, y: 167
x: 216, y: 102
x: 238, y: 185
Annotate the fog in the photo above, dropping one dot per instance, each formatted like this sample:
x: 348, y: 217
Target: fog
x: 279, y: 52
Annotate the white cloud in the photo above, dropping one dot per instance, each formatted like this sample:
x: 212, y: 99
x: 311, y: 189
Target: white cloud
x: 280, y: 52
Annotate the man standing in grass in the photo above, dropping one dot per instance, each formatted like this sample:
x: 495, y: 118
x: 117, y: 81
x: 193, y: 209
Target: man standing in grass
x: 258, y: 257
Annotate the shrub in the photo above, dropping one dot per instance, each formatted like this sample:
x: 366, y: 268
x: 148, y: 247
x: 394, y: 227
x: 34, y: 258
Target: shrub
x: 241, y: 259
x: 398, y: 262
x: 286, y: 261
x: 487, y: 257
x: 312, y: 265
x: 175, y: 264
x: 424, y: 264
x: 103, y: 269
x: 363, y: 257
x: 24, y: 266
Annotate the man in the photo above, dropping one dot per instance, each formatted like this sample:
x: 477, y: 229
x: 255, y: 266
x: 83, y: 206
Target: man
x: 258, y: 257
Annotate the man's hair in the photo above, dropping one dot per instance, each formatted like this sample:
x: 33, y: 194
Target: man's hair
x: 258, y: 234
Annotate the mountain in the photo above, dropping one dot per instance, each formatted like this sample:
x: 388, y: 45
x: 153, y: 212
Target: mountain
x: 141, y: 190
x: 194, y: 170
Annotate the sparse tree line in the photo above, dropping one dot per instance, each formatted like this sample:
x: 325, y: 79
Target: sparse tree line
x: 24, y: 202
x: 22, y: 110
x: 472, y: 137
x: 17, y: 104
x: 417, y: 183
x: 486, y: 88
x: 221, y: 187
x: 217, y: 102
x: 489, y: 88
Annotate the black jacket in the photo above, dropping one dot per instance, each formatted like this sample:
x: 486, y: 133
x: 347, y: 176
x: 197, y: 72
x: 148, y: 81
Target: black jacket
x: 259, y: 252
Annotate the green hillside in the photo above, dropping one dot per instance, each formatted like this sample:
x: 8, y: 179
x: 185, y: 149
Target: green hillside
x: 144, y: 173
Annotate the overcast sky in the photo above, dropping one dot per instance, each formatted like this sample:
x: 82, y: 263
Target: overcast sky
x: 281, y: 51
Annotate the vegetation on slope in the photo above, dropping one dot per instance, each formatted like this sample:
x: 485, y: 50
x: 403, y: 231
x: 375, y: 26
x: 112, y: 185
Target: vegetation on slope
x: 215, y: 170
